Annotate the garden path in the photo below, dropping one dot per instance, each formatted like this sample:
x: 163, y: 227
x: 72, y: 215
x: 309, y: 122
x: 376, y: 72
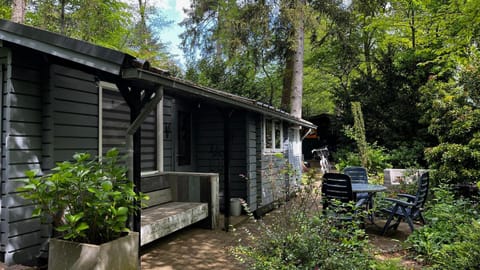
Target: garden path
x: 200, y: 249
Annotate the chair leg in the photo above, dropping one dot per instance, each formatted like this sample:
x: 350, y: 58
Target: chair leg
x: 408, y: 219
x: 395, y: 226
x: 387, y: 224
x: 422, y: 219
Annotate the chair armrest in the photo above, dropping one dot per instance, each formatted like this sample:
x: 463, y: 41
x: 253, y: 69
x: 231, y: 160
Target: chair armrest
x: 409, y: 197
x: 400, y: 202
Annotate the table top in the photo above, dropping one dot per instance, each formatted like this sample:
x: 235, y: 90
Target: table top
x: 361, y: 187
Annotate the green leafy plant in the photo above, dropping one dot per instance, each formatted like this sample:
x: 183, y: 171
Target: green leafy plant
x: 299, y: 236
x: 88, y: 200
x: 450, y: 238
x: 377, y: 156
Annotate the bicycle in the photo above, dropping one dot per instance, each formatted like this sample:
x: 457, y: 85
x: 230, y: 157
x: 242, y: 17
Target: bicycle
x: 322, y: 155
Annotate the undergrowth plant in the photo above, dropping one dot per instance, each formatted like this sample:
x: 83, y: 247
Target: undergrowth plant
x: 88, y: 200
x: 299, y: 236
x: 450, y: 239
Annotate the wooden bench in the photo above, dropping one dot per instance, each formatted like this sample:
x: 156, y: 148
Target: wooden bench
x: 162, y: 216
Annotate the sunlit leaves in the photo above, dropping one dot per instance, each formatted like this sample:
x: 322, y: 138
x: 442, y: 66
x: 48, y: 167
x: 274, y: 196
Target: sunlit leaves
x: 94, y: 196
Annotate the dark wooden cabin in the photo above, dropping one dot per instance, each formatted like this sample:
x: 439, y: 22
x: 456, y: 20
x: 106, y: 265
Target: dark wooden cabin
x: 62, y: 96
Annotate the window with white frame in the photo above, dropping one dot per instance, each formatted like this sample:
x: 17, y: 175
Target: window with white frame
x: 114, y: 119
x: 273, y: 134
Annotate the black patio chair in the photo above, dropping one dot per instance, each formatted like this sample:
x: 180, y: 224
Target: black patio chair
x: 357, y: 175
x: 408, y: 207
x: 338, y: 187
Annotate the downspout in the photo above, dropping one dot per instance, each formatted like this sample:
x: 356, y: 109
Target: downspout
x: 306, y: 134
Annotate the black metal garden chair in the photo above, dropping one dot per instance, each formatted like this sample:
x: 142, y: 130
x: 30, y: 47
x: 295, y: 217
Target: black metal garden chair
x: 357, y: 175
x: 337, y: 196
x: 408, y: 207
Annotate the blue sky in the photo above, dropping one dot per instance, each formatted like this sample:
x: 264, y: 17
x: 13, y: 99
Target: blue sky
x: 173, y: 10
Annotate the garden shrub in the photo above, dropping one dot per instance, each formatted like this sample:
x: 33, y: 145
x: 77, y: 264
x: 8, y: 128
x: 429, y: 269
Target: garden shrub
x: 452, y: 113
x: 298, y: 236
x: 407, y: 156
x: 377, y: 156
x: 450, y: 238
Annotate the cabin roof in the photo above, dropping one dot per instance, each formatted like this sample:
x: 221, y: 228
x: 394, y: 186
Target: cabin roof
x: 126, y: 66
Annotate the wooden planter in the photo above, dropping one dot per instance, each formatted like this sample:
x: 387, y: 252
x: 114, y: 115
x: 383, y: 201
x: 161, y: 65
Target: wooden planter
x: 121, y: 254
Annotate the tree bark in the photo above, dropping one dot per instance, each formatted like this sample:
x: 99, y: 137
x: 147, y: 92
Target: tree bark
x: 18, y: 11
x: 297, y: 72
x: 287, y: 80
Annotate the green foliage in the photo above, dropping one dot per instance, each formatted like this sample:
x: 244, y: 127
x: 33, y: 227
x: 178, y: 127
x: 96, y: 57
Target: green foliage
x: 89, y: 200
x: 5, y: 9
x: 450, y: 238
x: 113, y: 24
x: 407, y: 156
x: 299, y: 236
x: 453, y: 113
x: 378, y: 158
x: 358, y: 133
x: 103, y: 22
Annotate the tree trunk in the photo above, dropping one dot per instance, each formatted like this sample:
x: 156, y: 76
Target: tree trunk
x: 297, y: 72
x: 18, y: 11
x: 293, y: 73
x: 63, y: 24
x: 287, y: 80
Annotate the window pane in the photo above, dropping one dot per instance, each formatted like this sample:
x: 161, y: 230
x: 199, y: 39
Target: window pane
x: 268, y: 134
x: 278, y: 137
x: 184, y: 138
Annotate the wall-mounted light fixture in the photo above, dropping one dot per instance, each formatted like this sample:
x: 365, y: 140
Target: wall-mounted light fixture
x: 167, y: 129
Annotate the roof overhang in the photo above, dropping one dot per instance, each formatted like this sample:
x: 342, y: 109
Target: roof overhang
x: 212, y: 94
x: 67, y: 48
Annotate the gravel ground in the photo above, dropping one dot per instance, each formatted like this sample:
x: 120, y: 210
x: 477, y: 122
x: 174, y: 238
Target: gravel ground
x: 200, y: 249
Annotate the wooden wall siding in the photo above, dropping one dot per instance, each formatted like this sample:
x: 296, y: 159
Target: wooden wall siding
x: 210, y: 149
x: 115, y: 121
x: 21, y: 151
x: 251, y: 159
x: 209, y: 141
x: 238, y: 155
x: 149, y: 142
x: 75, y: 112
x: 259, y: 152
x: 294, y: 160
x: 168, y: 108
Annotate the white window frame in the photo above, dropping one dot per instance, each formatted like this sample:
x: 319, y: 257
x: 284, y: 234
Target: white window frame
x: 273, y: 149
x: 159, y: 110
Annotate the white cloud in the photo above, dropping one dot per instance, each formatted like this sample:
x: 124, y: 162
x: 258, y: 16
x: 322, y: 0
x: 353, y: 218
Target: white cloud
x: 180, y: 5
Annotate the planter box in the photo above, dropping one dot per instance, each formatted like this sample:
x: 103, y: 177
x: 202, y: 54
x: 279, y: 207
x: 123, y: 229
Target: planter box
x: 121, y: 254
x: 394, y: 177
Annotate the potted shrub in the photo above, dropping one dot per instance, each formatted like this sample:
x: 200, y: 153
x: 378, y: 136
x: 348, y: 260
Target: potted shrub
x: 88, y: 201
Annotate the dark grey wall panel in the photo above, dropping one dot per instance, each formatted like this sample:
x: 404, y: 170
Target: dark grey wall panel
x: 18, y: 128
x: 251, y: 159
x: 66, y: 86
x: 168, y: 158
x: 23, y: 227
x: 210, y: 147
x: 22, y: 107
x: 62, y: 120
x: 88, y: 132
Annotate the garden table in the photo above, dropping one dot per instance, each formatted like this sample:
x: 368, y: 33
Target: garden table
x: 371, y: 189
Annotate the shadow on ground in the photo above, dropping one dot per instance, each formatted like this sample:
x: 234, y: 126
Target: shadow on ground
x: 193, y: 249
x: 201, y: 249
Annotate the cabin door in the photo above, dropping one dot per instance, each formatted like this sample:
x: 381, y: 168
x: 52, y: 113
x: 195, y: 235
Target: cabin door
x: 184, y: 134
